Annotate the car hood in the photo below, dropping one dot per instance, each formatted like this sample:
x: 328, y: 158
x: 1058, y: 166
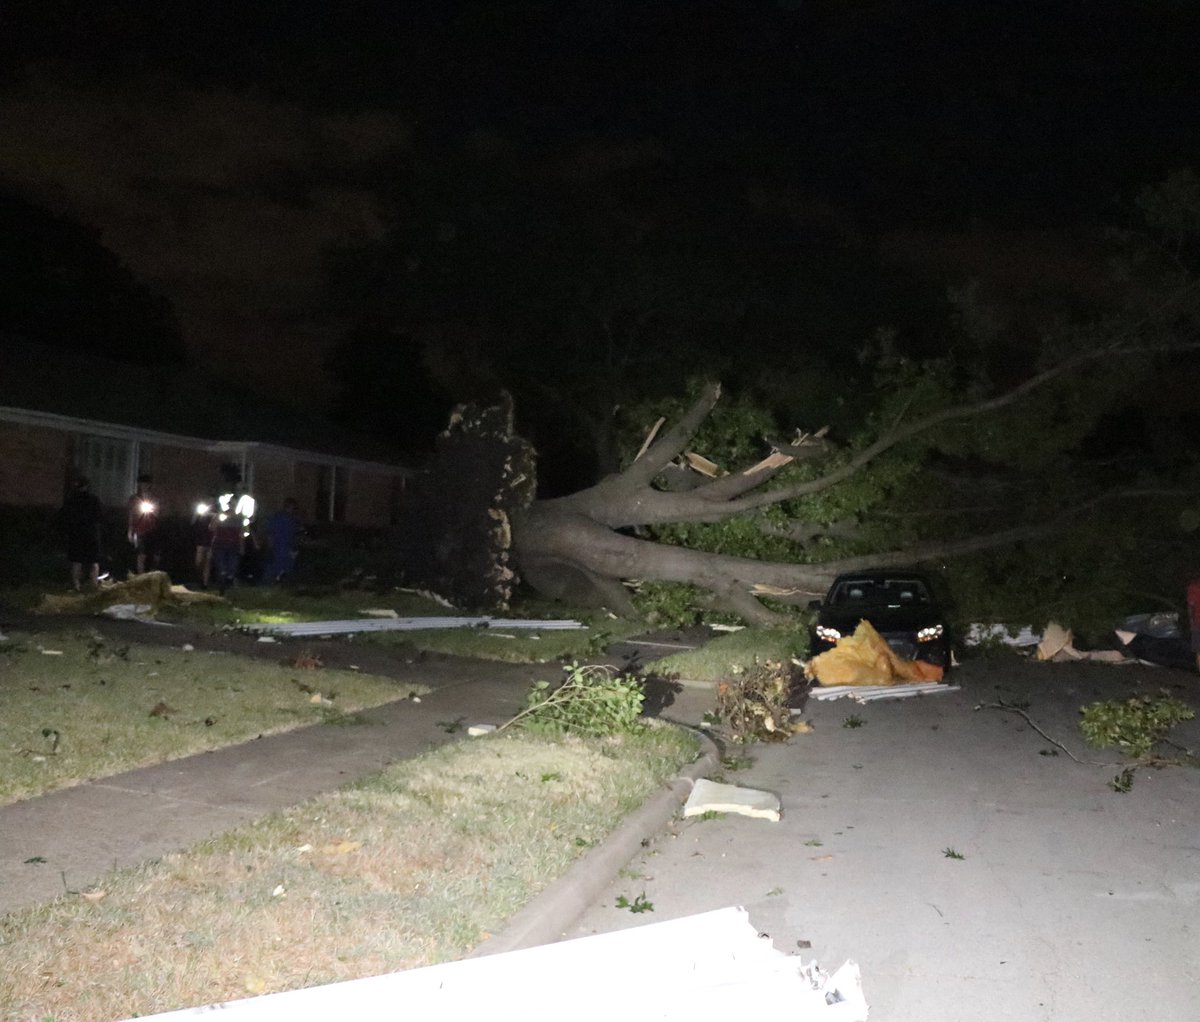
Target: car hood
x: 884, y: 619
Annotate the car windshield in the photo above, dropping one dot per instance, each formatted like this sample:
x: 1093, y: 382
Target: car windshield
x: 880, y: 592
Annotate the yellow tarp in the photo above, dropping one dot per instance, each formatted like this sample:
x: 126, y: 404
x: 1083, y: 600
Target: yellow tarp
x: 865, y: 659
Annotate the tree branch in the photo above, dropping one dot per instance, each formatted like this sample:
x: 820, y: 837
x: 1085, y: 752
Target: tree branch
x: 939, y: 512
x: 806, y: 532
x: 806, y: 446
x: 736, y: 483
x: 923, y: 425
x: 735, y: 599
x: 920, y: 552
x: 627, y: 499
x: 668, y: 446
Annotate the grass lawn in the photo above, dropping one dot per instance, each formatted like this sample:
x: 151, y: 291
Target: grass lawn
x: 413, y: 867
x: 515, y: 646
x: 726, y: 655
x: 254, y: 605
x: 74, y: 707
x: 282, y: 605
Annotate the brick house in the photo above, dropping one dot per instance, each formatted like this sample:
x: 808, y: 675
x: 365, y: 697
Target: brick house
x: 65, y: 413
x: 40, y: 451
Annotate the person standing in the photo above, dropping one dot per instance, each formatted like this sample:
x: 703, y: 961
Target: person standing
x: 283, y: 534
x: 143, y: 526
x: 82, y: 516
x: 231, y: 521
x: 1193, y: 608
x: 226, y: 547
x: 202, y: 537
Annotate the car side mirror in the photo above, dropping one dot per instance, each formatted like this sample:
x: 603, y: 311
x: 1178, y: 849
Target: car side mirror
x: 814, y: 604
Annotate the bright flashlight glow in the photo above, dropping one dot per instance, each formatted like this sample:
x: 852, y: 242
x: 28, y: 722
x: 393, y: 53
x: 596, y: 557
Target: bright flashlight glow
x: 201, y: 509
x: 146, y: 507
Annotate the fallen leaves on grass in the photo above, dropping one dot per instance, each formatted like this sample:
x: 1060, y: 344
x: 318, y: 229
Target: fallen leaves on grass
x: 307, y: 660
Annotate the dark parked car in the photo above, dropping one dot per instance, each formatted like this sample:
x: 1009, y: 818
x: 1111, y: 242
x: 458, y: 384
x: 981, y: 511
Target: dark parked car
x: 900, y: 605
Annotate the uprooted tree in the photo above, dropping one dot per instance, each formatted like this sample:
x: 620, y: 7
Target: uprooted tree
x: 949, y: 463
x: 586, y: 548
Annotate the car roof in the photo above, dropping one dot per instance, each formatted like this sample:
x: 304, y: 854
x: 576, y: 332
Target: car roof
x: 880, y: 575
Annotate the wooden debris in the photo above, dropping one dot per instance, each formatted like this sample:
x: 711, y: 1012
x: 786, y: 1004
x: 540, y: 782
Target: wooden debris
x: 771, y: 461
x: 650, y: 437
x: 702, y: 465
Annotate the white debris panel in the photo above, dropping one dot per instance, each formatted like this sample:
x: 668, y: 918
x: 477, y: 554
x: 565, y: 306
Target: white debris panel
x: 709, y: 966
x: 406, y: 624
x: 980, y: 633
x: 873, y: 693
x: 710, y: 797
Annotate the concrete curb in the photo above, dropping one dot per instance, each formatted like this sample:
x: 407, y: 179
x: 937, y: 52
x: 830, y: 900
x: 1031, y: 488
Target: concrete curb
x: 546, y: 918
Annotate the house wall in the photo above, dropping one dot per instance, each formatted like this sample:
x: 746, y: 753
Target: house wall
x: 369, y: 500
x: 33, y: 465
x: 183, y: 476
x: 35, y: 461
x: 307, y: 482
x: 364, y: 498
x: 275, y: 479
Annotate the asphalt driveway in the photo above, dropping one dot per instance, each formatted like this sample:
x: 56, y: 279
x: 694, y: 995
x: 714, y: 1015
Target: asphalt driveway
x: 1069, y: 902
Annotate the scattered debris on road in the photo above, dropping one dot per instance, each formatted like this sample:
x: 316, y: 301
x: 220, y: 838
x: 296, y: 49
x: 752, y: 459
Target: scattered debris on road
x: 710, y: 797
x: 872, y: 693
x: 1152, y: 639
x: 1021, y: 638
x: 752, y: 706
x: 1058, y: 644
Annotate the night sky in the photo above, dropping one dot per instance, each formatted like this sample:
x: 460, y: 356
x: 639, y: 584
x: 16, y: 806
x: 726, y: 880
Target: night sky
x: 221, y: 148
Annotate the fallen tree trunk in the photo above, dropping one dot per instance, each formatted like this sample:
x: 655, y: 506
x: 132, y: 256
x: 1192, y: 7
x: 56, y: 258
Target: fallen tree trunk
x: 571, y: 557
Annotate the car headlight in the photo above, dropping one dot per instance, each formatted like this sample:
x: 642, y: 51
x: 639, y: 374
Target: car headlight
x: 930, y: 633
x: 827, y: 634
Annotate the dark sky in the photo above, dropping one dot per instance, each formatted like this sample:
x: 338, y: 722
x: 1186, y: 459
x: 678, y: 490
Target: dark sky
x: 181, y: 126
x: 939, y: 105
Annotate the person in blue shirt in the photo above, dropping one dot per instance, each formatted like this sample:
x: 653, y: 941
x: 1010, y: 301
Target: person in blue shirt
x: 283, y: 534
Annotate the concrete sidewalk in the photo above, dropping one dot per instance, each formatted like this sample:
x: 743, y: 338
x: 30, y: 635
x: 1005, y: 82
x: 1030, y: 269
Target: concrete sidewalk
x: 65, y: 840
